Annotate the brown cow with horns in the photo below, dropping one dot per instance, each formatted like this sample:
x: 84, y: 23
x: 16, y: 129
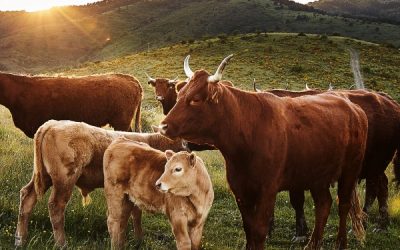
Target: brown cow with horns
x: 271, y: 144
x: 97, y: 100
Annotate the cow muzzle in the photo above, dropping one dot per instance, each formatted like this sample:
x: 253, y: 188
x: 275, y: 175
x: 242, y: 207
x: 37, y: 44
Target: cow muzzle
x: 163, y: 128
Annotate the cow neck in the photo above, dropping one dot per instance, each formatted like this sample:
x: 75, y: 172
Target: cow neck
x: 7, y: 94
x: 244, y: 109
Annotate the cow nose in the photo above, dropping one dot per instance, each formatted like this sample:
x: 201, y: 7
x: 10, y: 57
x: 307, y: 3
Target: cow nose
x: 158, y: 185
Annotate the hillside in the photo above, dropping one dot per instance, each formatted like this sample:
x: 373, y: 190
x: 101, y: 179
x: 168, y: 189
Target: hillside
x: 34, y: 42
x: 276, y: 60
x: 385, y: 10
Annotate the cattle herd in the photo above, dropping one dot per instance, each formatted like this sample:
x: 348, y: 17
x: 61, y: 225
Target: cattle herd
x: 271, y: 141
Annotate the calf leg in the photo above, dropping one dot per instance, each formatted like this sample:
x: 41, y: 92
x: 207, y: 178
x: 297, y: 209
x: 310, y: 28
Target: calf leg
x: 323, y: 201
x: 28, y: 199
x: 382, y: 199
x: 137, y: 222
x: 179, y: 226
x: 297, y: 201
x: 58, y: 200
x: 195, y: 234
x: 119, y: 208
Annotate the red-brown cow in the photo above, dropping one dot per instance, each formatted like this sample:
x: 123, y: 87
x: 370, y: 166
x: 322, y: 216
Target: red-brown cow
x: 97, y: 100
x: 383, y: 115
x: 272, y: 144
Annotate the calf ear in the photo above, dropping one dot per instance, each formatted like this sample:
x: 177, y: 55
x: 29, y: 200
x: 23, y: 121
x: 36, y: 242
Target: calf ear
x: 169, y: 154
x: 192, y: 159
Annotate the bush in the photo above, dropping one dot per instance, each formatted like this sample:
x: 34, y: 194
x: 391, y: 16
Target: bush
x: 297, y: 69
x: 301, y: 34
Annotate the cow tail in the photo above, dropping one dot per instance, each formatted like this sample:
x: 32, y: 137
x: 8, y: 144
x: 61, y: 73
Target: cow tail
x: 39, y: 169
x: 357, y: 216
x: 137, y: 117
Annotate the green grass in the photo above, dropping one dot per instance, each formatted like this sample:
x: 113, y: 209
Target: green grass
x: 275, y: 60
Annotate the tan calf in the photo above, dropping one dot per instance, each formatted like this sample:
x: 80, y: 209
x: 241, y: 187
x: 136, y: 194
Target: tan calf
x: 132, y: 174
x: 67, y: 154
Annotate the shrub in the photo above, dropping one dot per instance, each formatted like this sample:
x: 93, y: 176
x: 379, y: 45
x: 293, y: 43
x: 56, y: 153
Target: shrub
x: 301, y: 34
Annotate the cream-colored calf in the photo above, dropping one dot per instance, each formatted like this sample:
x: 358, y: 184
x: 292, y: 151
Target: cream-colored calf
x: 67, y: 154
x: 177, y: 185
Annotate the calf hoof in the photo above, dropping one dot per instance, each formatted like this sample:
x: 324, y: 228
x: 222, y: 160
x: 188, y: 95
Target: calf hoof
x: 299, y: 239
x: 18, y: 241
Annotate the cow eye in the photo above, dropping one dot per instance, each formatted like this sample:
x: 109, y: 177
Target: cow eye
x: 195, y: 101
x: 178, y: 169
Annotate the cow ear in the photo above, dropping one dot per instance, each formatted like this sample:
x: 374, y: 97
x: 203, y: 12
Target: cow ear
x: 169, y: 154
x: 180, y: 85
x: 192, y: 159
x: 214, y: 92
x: 155, y: 128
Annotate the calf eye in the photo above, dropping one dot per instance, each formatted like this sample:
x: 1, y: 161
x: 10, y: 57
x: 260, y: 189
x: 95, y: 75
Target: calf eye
x: 178, y: 169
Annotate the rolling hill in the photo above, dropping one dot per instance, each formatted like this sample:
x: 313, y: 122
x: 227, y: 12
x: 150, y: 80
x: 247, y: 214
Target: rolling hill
x: 385, y: 10
x: 34, y: 42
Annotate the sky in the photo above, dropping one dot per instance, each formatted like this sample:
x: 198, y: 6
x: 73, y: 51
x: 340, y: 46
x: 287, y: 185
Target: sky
x: 34, y: 5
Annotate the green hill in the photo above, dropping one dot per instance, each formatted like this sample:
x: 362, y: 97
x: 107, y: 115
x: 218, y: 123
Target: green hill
x: 33, y: 42
x: 276, y: 60
x: 387, y: 10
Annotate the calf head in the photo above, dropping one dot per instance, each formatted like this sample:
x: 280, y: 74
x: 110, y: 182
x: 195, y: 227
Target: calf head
x: 179, y: 174
x: 196, y: 114
x: 165, y: 92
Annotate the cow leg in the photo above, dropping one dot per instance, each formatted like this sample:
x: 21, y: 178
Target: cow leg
x: 58, y: 200
x: 297, y: 201
x: 255, y: 216
x: 195, y: 234
x: 28, y: 200
x: 345, y: 189
x: 382, y: 199
x: 323, y: 201
x: 179, y: 226
x: 371, y: 189
x: 119, y: 208
x: 137, y: 222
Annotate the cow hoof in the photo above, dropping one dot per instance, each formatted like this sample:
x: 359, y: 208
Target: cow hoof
x: 299, y: 239
x: 379, y: 230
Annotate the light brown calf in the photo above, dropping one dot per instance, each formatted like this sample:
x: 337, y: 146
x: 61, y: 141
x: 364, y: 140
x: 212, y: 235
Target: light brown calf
x: 67, y: 154
x: 132, y: 176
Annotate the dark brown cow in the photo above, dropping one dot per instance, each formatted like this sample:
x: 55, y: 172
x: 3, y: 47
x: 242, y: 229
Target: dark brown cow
x: 166, y: 90
x: 97, y: 100
x: 272, y: 144
x: 383, y: 115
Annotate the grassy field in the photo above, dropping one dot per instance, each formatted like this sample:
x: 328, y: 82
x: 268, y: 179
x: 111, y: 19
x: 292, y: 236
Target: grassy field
x: 275, y: 60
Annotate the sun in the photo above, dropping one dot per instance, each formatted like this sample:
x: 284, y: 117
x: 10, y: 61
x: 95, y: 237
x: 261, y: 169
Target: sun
x: 38, y: 5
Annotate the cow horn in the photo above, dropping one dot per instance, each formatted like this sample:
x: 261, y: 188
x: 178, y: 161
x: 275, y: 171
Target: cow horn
x: 330, y: 87
x: 150, y: 78
x: 218, y: 74
x: 173, y: 80
x: 307, y: 88
x: 189, y: 73
x: 254, y: 86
